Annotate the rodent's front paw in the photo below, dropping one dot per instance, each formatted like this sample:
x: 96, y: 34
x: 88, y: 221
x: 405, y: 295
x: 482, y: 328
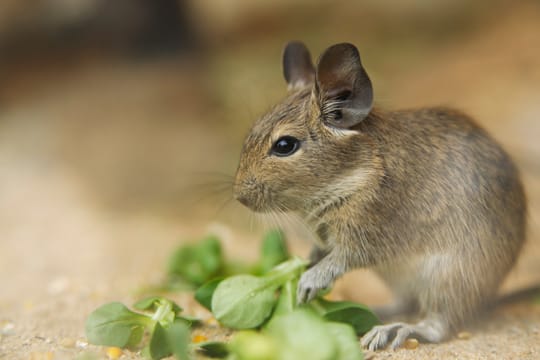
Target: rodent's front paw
x: 311, y: 282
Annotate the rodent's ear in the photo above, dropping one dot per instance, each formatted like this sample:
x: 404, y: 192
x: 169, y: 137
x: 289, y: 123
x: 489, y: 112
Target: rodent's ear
x: 343, y: 87
x: 297, y: 66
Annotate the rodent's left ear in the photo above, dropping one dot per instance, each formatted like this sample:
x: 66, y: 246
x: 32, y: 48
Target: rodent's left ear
x: 297, y: 66
x: 343, y: 87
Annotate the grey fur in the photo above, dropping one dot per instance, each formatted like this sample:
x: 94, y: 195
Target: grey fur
x: 424, y: 197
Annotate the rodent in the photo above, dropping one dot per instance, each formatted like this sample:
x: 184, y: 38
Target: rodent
x: 425, y: 197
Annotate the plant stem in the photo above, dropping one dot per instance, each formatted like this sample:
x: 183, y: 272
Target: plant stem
x: 285, y: 271
x: 162, y: 311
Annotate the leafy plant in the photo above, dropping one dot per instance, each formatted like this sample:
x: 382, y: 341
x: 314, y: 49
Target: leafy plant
x: 205, y: 293
x: 347, y: 343
x: 113, y: 324
x: 287, y: 298
x: 322, y: 329
x: 252, y: 345
x: 246, y: 301
x: 263, y: 297
x: 300, y: 334
x: 195, y: 264
x: 170, y: 340
x: 357, y: 315
x: 273, y: 252
x: 213, y: 349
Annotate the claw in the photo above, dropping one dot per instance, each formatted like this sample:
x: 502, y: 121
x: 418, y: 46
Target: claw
x: 380, y: 336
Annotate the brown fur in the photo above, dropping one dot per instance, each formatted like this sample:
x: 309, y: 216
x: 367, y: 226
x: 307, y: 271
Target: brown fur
x: 425, y: 197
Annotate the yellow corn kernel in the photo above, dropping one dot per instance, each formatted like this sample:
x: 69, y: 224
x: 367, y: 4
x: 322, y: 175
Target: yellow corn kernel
x: 410, y: 344
x: 113, y: 353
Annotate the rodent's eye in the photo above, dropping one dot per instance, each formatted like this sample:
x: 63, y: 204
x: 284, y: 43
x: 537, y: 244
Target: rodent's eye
x: 285, y: 146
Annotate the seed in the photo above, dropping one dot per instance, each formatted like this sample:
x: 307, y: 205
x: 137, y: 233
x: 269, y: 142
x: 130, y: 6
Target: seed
x: 113, y: 353
x: 68, y: 343
x: 199, y: 338
x: 464, y: 335
x: 410, y: 344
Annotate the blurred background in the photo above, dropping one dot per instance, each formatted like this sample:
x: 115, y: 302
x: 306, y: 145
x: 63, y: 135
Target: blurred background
x: 121, y: 121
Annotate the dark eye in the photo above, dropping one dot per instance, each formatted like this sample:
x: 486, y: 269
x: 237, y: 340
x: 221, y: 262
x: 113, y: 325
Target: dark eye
x: 285, y: 146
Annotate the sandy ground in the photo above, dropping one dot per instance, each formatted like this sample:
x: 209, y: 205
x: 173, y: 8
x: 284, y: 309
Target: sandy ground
x: 98, y: 171
x: 70, y: 257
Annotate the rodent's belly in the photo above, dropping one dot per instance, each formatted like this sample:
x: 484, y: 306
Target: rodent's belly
x: 408, y: 277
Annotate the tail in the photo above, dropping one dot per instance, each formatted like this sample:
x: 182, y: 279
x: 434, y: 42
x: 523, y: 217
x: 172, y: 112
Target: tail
x: 526, y: 294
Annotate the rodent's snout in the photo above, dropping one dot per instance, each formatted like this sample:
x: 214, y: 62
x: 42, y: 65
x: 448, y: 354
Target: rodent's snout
x: 242, y: 198
x: 246, y: 192
x: 240, y: 195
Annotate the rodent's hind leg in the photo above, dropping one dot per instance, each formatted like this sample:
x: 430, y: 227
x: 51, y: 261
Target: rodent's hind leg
x: 428, y: 330
x: 397, y: 308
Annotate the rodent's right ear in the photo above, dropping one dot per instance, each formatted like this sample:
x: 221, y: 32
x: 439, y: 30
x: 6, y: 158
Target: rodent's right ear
x: 298, y: 69
x: 343, y: 86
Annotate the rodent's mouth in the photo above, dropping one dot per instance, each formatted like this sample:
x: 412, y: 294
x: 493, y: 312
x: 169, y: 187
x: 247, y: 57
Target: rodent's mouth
x: 253, y: 206
x: 251, y: 194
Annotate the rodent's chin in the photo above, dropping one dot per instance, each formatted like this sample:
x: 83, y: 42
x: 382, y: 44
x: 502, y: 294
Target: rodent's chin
x: 256, y: 208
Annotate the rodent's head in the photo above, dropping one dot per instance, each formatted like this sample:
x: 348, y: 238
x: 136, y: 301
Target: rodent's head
x: 305, y: 152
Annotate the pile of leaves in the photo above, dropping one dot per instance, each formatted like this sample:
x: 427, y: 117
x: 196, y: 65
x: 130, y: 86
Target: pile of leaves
x: 258, y: 300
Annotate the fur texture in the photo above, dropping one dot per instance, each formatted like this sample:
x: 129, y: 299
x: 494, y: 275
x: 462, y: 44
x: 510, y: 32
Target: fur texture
x: 424, y: 197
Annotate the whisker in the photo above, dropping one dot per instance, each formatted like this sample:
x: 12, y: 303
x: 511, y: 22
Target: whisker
x: 212, y: 174
x: 222, y: 206
x: 251, y: 221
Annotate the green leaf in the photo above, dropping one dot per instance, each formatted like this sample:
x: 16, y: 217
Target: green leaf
x: 359, y: 316
x: 197, y: 263
x: 346, y: 340
x: 179, y: 337
x: 171, y: 340
x: 243, y: 301
x: 213, y: 349
x: 302, y: 334
x: 204, y: 293
x: 153, y: 302
x: 273, y: 252
x: 113, y: 324
x: 287, y: 298
x: 251, y: 345
x: 173, y: 283
x: 233, y: 267
x: 159, y: 344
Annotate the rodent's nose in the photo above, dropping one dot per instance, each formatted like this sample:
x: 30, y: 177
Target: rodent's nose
x: 241, y: 192
x: 238, y: 194
x: 242, y: 198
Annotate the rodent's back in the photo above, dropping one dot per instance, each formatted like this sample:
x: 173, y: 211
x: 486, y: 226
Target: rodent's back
x: 448, y: 190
